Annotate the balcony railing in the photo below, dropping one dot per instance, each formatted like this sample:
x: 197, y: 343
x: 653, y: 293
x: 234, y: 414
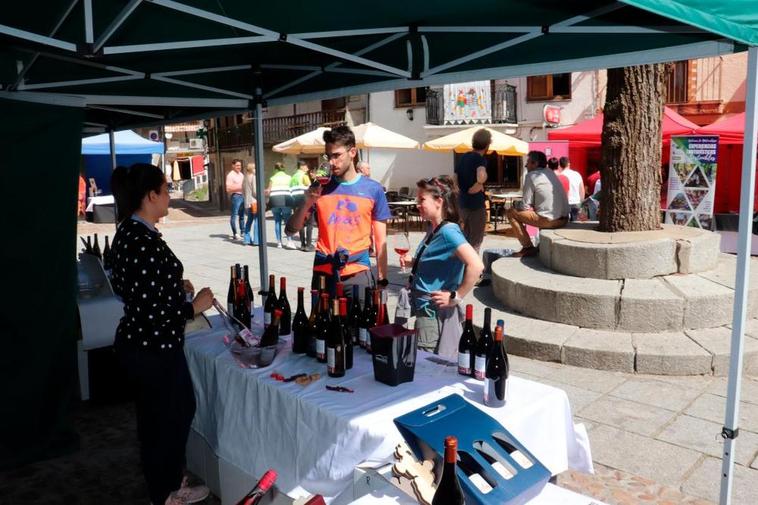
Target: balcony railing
x: 503, y: 105
x: 276, y: 129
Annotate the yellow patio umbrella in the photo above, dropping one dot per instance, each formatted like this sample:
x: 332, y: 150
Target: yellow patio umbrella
x: 307, y: 143
x: 460, y: 142
x: 370, y: 135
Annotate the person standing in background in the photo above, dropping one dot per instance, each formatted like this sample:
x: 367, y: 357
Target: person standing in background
x: 471, y: 173
x: 554, y: 165
x: 234, y: 181
x: 299, y: 183
x: 363, y: 168
x: 576, y: 186
x: 280, y: 200
x: 251, y: 205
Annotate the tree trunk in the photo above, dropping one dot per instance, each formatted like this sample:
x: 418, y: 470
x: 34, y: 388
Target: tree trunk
x: 631, y: 149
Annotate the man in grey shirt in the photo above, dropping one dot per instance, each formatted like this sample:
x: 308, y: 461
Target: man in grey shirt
x: 544, y: 203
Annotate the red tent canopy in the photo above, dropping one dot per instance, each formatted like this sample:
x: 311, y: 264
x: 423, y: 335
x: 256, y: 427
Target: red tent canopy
x: 730, y: 130
x: 587, y: 133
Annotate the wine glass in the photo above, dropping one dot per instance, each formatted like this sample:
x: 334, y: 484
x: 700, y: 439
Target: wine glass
x: 401, y: 245
x: 323, y: 172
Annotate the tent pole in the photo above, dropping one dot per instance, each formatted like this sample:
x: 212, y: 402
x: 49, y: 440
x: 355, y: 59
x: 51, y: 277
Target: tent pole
x: 260, y: 183
x: 112, y: 145
x: 747, y: 197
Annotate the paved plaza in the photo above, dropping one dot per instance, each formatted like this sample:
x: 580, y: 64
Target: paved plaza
x: 654, y: 439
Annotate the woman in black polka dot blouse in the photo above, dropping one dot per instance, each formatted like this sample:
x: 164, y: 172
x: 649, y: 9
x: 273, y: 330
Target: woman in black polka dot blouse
x: 150, y: 337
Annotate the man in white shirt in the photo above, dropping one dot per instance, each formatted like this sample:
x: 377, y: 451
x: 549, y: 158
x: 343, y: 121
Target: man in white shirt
x: 544, y: 203
x: 576, y: 186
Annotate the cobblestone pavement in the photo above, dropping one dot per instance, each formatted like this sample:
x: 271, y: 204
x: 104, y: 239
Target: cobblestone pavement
x: 655, y: 439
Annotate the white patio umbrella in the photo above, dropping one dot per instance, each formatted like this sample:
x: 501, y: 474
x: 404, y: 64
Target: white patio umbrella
x: 460, y: 142
x: 307, y: 143
x: 370, y: 135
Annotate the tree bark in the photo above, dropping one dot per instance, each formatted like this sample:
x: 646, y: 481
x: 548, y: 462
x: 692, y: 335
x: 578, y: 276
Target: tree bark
x: 631, y: 149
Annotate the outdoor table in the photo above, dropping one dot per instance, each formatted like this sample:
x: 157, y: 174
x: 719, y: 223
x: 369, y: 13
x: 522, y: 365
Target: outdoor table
x: 247, y: 422
x: 404, y: 206
x: 507, y: 198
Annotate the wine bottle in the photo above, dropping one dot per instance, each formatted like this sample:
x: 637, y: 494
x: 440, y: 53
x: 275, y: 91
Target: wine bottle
x: 271, y: 302
x: 367, y: 319
x: 335, y: 345
x: 449, y: 490
x: 467, y: 344
x: 377, y: 312
x: 241, y: 303
x: 346, y: 335
x: 246, y: 275
x: 89, y: 245
x: 354, y: 321
x: 496, y: 377
x: 385, y: 312
x: 501, y: 323
x: 313, y: 324
x: 96, y: 249
x: 285, y: 326
x: 271, y: 333
x: 324, y: 323
x: 231, y: 292
x: 339, y: 291
x: 261, y: 488
x: 107, y: 264
x: 483, y: 346
x: 300, y: 326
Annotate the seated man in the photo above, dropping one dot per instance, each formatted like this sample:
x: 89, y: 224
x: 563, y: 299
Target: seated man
x: 544, y: 203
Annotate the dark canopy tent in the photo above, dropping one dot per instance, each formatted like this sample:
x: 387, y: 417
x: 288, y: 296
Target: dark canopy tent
x: 115, y: 64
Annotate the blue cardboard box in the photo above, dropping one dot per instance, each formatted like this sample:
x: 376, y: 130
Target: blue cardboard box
x: 488, y: 455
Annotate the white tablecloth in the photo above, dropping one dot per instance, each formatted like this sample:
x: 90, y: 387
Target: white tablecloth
x: 314, y: 437
x: 98, y: 200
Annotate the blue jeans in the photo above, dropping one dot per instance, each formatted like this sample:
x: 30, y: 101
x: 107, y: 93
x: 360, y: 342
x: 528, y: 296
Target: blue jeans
x: 238, y: 210
x: 251, y: 220
x: 281, y: 215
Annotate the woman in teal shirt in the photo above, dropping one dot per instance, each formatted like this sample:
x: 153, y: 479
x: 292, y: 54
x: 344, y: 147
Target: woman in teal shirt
x: 445, y: 267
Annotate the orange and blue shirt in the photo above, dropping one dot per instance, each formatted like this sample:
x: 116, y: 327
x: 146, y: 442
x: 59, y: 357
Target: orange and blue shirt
x: 345, y: 212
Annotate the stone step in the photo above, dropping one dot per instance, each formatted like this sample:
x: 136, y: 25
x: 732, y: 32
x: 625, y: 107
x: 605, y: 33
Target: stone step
x: 667, y: 303
x: 691, y: 352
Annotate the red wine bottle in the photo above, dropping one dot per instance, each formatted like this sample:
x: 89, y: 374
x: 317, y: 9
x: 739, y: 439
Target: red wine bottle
x: 354, y: 320
x: 271, y: 333
x: 248, y: 291
x: 496, y: 377
x: 335, y: 344
x: 261, y: 488
x: 483, y: 346
x: 89, y: 245
x: 339, y: 290
x: 241, y: 303
x: 346, y: 335
x: 367, y: 320
x: 107, y: 263
x: 96, y: 249
x: 300, y: 326
x: 324, y: 324
x: 230, y: 295
x: 377, y: 311
x: 385, y: 312
x: 271, y: 302
x: 467, y: 345
x: 449, y: 490
x: 285, y: 325
x: 313, y: 324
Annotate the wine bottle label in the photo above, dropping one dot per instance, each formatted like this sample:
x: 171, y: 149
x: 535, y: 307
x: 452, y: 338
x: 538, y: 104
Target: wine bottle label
x: 480, y: 367
x: 320, y: 348
x: 331, y: 361
x: 362, y: 337
x: 464, y: 363
x: 267, y: 318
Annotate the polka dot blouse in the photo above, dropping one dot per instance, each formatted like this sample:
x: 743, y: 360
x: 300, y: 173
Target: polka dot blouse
x: 148, y: 278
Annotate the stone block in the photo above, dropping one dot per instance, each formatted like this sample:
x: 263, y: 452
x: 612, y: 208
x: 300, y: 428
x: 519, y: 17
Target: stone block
x: 724, y: 273
x: 601, y: 350
x: 580, y: 259
x: 588, y: 303
x: 547, y: 239
x: 670, y: 354
x: 628, y: 415
x: 717, y: 341
x: 699, y: 252
x: 649, y: 305
x: 536, y: 339
x: 641, y: 260
x: 658, y: 392
x: 652, y: 459
x: 707, y: 303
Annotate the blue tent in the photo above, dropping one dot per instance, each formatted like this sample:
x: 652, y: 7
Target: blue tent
x: 127, y: 142
x: 130, y: 149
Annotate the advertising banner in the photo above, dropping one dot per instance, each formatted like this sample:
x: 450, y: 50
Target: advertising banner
x: 692, y: 181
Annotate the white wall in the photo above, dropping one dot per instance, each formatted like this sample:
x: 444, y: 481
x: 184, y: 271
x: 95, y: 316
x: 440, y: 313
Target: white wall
x: 395, y: 168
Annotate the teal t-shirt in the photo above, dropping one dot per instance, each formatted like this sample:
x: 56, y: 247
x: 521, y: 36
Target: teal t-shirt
x: 439, y: 268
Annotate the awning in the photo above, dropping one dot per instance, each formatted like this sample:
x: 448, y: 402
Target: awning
x: 730, y: 130
x: 127, y: 142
